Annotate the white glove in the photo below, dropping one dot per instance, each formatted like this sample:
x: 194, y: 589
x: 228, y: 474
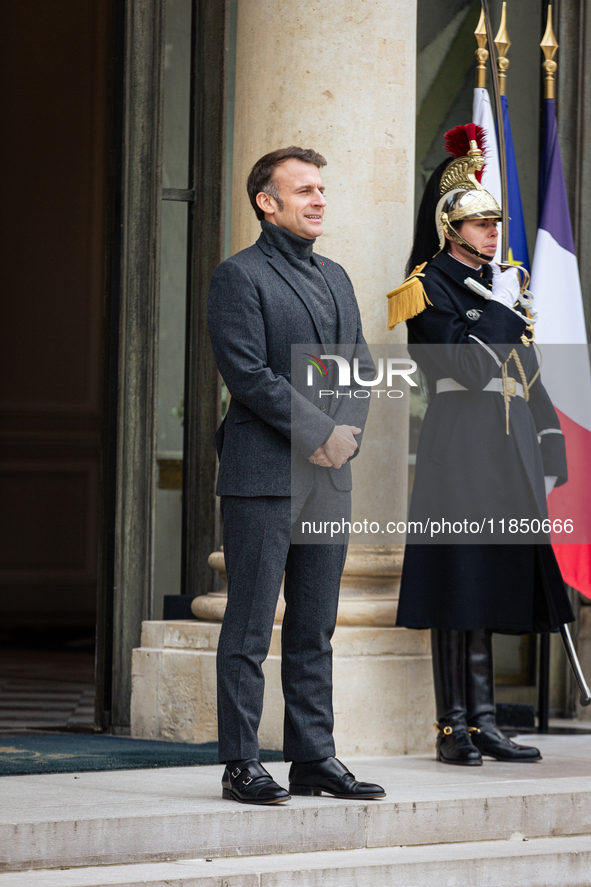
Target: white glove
x: 489, y: 295
x: 505, y: 285
x: 550, y: 480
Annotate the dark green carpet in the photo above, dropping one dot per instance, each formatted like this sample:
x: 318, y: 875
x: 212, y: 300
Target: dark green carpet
x: 80, y: 752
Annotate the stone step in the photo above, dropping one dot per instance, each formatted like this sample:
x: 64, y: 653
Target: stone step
x: 540, y: 862
x: 141, y: 816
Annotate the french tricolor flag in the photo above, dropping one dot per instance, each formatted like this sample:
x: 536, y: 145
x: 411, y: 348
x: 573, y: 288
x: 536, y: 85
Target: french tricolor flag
x: 556, y: 287
x: 482, y: 115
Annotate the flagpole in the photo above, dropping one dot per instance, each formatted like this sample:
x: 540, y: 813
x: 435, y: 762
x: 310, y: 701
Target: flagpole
x: 481, y: 53
x: 549, y: 46
x: 502, y: 43
x: 501, y: 135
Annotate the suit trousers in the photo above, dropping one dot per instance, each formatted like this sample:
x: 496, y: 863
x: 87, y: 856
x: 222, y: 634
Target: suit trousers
x: 258, y: 550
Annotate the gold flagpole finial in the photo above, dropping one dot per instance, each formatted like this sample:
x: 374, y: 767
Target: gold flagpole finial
x: 481, y: 53
x: 502, y: 43
x: 549, y: 46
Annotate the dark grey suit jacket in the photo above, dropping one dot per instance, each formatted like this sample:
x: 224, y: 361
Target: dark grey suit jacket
x: 255, y: 314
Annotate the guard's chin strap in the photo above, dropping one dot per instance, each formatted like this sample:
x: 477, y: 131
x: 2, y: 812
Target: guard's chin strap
x: 457, y: 238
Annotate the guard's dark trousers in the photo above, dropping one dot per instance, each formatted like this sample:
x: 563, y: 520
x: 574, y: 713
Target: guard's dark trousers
x: 257, y: 551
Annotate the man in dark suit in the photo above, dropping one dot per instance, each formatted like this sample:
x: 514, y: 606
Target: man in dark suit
x: 263, y: 300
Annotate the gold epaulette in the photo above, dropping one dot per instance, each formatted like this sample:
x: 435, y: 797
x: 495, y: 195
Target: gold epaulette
x: 408, y: 299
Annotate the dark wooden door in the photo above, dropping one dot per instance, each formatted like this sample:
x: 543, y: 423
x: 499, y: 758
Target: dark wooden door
x: 54, y: 62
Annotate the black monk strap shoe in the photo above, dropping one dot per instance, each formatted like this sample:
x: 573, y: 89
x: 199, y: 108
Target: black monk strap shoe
x: 332, y: 777
x: 491, y: 742
x: 251, y: 784
x: 454, y: 746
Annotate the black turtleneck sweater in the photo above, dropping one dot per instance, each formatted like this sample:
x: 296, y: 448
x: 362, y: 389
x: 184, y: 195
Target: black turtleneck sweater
x: 298, y: 253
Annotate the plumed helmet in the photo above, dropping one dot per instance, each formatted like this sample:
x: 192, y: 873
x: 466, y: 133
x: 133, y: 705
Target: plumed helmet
x: 452, y: 194
x: 461, y: 196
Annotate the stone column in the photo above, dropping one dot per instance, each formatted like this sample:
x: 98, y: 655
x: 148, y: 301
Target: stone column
x: 339, y: 77
x: 368, y: 596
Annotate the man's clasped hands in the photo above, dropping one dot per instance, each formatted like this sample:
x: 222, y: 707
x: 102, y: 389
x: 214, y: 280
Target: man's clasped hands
x: 339, y: 447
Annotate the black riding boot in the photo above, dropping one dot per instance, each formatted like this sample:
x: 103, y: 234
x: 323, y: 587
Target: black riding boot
x: 480, y: 703
x: 453, y: 739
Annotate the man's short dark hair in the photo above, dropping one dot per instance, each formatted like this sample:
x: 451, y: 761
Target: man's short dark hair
x: 261, y: 175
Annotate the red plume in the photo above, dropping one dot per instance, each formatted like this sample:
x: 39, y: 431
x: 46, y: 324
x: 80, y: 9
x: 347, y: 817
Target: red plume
x: 457, y: 141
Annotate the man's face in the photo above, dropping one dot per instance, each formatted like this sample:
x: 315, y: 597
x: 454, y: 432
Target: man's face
x: 302, y: 193
x: 481, y: 234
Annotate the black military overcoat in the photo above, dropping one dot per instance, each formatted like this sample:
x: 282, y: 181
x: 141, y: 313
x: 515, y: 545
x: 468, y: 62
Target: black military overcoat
x: 466, y: 460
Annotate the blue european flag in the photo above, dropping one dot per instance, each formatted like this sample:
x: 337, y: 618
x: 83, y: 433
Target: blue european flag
x: 518, y: 253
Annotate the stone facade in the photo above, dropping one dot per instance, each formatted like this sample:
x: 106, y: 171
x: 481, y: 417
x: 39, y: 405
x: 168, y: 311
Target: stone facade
x: 383, y: 698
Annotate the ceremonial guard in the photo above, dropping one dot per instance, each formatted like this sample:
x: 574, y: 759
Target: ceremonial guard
x: 490, y: 427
